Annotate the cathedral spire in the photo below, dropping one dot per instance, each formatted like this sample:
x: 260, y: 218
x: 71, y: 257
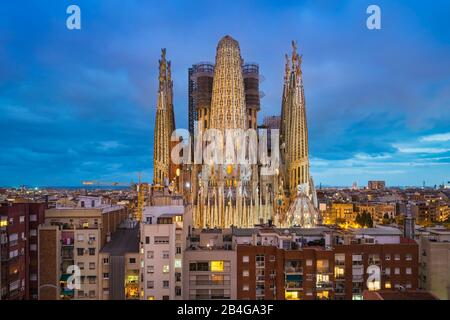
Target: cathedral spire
x: 165, y: 123
x: 228, y: 96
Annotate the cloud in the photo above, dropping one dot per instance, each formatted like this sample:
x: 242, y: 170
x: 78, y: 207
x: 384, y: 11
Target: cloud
x: 440, y: 137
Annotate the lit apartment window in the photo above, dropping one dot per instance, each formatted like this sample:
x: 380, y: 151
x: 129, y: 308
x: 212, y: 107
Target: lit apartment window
x: 408, y: 257
x: 245, y: 259
x: 81, y: 265
x: 150, y: 298
x: 216, y: 266
x: 150, y: 269
x: 166, y: 268
x: 245, y: 273
x: 397, y: 257
x: 178, y: 263
x: 387, y: 257
x: 150, y: 284
x: 245, y: 287
x: 149, y: 254
x: 397, y: 271
x: 387, y: 285
x: 309, y: 263
x: 165, y: 254
x: 80, y: 237
x: 22, y: 219
x: 408, y: 271
x: 91, y: 265
x: 165, y: 284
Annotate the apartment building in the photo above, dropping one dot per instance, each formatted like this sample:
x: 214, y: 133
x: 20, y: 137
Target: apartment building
x: 209, y: 265
x: 18, y: 246
x: 119, y: 264
x: 70, y: 241
x: 435, y: 262
x: 293, y: 264
x: 162, y: 246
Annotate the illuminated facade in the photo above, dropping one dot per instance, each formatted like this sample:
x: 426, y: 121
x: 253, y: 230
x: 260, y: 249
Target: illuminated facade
x: 165, y: 124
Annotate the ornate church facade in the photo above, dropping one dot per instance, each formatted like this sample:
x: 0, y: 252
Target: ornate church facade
x: 224, y: 101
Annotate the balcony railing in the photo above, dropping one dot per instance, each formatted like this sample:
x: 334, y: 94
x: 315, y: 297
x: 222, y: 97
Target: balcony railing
x: 293, y: 270
x: 294, y: 285
x: 209, y: 283
x: 324, y: 285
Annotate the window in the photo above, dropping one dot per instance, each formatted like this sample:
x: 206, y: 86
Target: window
x: 33, y: 217
x: 245, y: 287
x: 397, y: 257
x: 149, y: 254
x: 408, y: 257
x: 177, y: 276
x: 199, y: 266
x: 105, y: 275
x: 161, y: 240
x: 81, y: 265
x: 309, y: 263
x: 165, y: 254
x: 33, y: 277
x: 33, y: 247
x: 22, y: 219
x: 150, y: 269
x: 397, y: 271
x: 147, y: 240
x: 80, y: 294
x: 387, y: 285
x: 245, y: 273
x: 166, y: 268
x: 387, y: 271
x: 165, y: 284
x: 408, y: 271
x: 91, y: 238
x: 132, y: 260
x: 178, y: 263
x: 92, y: 251
x: 272, y: 258
x: 178, y: 291
x: 33, y: 232
x: 166, y: 298
x: 245, y: 259
x: 91, y: 265
x: 178, y: 250
x: 387, y: 257
x: 150, y: 284
x: 91, y: 293
x: 80, y: 251
x: 92, y: 279
x: 105, y: 260
x: 216, y: 266
x: 80, y: 237
x: 408, y: 285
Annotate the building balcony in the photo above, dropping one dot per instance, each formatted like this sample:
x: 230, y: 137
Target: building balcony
x: 294, y: 285
x: 293, y: 270
x: 323, y: 271
x: 324, y: 285
x: 209, y: 283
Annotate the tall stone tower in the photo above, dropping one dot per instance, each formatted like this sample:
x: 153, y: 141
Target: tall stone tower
x: 294, y: 130
x: 228, y: 96
x: 165, y: 124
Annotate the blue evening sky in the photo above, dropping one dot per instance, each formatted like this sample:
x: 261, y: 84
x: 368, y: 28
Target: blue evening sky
x: 80, y: 105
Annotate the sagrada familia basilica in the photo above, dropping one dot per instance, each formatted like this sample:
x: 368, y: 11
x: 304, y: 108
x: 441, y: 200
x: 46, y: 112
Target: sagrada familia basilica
x: 224, y: 101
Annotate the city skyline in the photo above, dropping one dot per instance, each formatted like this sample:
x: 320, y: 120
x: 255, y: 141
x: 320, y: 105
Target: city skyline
x: 75, y: 111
